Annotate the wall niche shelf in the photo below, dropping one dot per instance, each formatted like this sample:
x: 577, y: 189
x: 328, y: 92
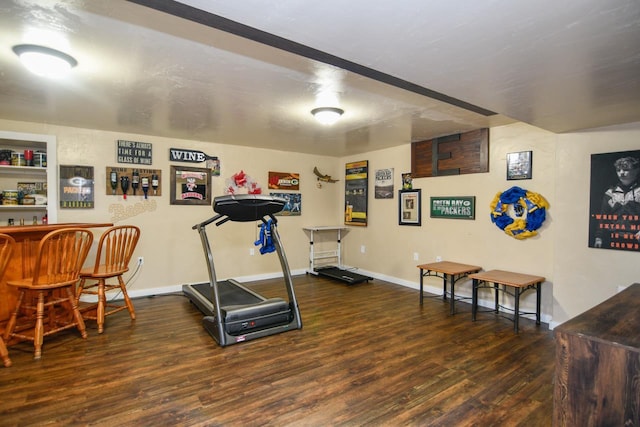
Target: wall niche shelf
x: 11, y: 175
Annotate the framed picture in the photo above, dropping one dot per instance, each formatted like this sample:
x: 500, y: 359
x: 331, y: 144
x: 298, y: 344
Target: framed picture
x: 410, y: 210
x: 355, y: 193
x: 519, y: 165
x: 614, y: 219
x: 383, y: 188
x: 407, y: 181
x: 76, y: 187
x: 190, y: 186
x: 293, y: 207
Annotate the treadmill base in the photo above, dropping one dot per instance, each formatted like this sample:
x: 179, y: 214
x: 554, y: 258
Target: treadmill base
x: 343, y: 275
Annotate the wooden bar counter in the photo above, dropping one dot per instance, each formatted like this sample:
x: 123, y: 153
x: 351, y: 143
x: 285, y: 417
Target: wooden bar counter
x: 20, y: 265
x: 597, y: 379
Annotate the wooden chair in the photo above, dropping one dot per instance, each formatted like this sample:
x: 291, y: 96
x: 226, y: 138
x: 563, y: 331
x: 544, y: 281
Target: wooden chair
x: 112, y: 261
x: 46, y: 302
x: 7, y: 243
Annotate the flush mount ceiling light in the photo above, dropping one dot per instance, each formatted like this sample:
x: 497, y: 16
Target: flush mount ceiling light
x: 327, y: 115
x: 44, y: 61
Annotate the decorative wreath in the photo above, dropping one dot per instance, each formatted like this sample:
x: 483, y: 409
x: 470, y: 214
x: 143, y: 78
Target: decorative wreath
x: 242, y: 180
x: 519, y: 212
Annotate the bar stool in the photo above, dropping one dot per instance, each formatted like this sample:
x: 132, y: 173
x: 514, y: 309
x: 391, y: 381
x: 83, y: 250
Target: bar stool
x: 112, y: 261
x: 7, y: 243
x: 60, y: 256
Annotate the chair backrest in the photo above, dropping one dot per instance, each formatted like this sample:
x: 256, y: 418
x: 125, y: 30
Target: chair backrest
x: 116, y: 248
x: 7, y: 243
x: 61, y: 255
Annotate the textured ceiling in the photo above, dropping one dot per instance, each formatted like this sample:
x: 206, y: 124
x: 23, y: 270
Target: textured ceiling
x: 249, y: 72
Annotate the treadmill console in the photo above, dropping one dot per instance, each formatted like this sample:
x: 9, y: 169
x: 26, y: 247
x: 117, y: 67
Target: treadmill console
x: 247, y: 207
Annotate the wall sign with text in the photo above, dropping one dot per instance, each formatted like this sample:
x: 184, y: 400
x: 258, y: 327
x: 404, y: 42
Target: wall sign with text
x: 284, y: 181
x: 138, y: 153
x: 463, y: 207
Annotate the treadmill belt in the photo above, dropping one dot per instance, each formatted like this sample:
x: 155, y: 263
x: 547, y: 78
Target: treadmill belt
x: 229, y: 294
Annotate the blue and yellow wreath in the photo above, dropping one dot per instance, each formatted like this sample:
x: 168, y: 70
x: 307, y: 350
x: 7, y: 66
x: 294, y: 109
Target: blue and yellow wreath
x: 519, y: 212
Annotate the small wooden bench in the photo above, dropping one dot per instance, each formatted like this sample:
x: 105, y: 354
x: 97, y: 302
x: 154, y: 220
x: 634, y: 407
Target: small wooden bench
x: 451, y: 272
x: 519, y: 282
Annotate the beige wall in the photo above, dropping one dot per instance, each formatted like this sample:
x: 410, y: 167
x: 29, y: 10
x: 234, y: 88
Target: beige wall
x: 172, y: 250
x: 577, y: 277
x: 585, y: 276
x: 390, y: 247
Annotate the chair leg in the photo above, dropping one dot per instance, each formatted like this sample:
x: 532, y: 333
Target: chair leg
x: 38, y: 334
x: 127, y: 300
x: 4, y: 354
x: 78, y: 291
x: 76, y: 314
x: 12, y: 321
x: 102, y: 303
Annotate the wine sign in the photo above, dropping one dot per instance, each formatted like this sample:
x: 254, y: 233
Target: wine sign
x: 188, y: 156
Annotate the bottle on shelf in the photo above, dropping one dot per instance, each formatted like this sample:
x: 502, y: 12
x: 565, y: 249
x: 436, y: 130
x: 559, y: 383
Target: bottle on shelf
x: 124, y: 184
x: 114, y: 182
x: 135, y: 180
x: 145, y: 186
x: 154, y: 183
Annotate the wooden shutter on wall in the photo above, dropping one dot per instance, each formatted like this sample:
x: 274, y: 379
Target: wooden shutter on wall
x: 457, y: 154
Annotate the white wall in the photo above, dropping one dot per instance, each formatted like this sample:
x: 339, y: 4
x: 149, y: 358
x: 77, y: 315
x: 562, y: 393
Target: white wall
x: 577, y: 277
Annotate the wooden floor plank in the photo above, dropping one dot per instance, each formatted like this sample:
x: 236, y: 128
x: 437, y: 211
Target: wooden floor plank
x: 368, y: 354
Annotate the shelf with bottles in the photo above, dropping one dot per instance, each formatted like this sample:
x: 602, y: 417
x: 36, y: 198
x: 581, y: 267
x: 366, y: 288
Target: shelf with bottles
x: 31, y: 216
x: 133, y: 182
x: 15, y: 175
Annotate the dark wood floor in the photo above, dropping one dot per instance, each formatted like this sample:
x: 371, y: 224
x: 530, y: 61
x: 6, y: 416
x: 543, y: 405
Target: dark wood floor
x: 368, y: 354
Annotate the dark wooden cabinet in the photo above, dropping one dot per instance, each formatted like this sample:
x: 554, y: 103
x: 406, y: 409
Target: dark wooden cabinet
x: 597, y: 377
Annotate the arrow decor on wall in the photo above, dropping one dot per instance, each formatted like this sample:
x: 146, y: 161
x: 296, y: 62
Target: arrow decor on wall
x: 188, y: 156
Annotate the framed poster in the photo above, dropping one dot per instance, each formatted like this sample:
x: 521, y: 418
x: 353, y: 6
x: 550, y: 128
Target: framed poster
x: 190, y: 186
x: 383, y: 188
x: 293, y: 205
x: 409, y: 209
x: 519, y: 165
x: 614, y: 208
x: 355, y: 193
x: 76, y: 187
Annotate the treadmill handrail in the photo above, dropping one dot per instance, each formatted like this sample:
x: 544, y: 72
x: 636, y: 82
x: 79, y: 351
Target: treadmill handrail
x: 207, y: 222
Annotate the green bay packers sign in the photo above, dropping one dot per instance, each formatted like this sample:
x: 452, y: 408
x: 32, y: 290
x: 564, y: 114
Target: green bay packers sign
x: 453, y: 207
x: 284, y: 181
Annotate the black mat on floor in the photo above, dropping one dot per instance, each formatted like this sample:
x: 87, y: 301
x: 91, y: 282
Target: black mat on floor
x: 343, y: 275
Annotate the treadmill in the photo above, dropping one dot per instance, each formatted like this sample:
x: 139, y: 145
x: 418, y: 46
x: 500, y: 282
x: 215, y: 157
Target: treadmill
x: 232, y: 312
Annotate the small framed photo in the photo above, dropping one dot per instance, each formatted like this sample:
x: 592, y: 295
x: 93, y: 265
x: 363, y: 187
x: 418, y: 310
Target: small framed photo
x: 407, y: 181
x: 190, y: 186
x: 519, y: 165
x: 410, y: 208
